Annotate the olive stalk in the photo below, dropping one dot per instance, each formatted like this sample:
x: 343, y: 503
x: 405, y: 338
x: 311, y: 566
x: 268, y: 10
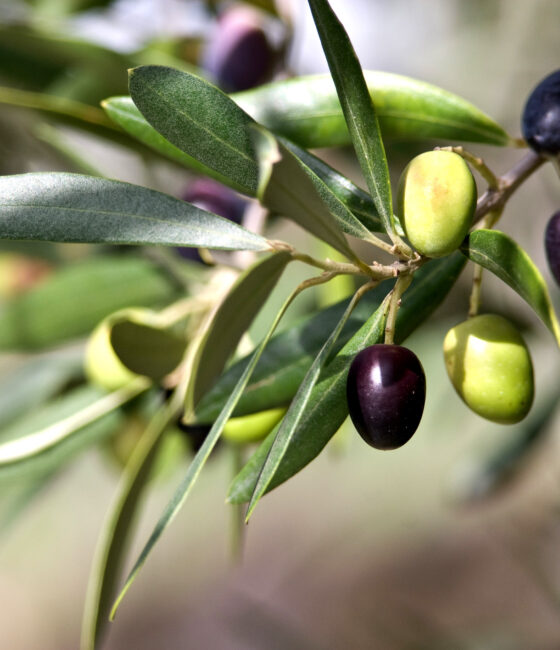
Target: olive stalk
x: 401, y: 285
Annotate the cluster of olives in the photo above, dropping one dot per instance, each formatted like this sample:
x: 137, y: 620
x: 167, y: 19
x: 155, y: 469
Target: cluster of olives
x: 486, y: 358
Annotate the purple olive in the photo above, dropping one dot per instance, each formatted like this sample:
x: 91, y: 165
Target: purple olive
x: 239, y: 55
x: 552, y: 245
x: 386, y: 391
x: 541, y: 116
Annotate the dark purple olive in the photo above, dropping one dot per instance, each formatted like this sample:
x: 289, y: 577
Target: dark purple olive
x: 239, y: 55
x: 552, y: 245
x: 541, y: 117
x: 386, y: 391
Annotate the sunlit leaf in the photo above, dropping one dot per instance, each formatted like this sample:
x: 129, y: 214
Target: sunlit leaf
x: 498, y: 253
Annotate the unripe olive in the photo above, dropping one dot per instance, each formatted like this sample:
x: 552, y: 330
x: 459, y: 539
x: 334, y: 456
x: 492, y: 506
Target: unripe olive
x: 490, y: 367
x: 253, y: 427
x: 386, y: 391
x: 102, y: 366
x: 541, y: 116
x: 436, y: 199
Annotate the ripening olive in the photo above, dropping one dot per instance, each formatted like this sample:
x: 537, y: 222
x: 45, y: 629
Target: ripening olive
x: 540, y: 122
x: 386, y: 391
x: 239, y: 54
x: 490, y: 368
x: 552, y: 245
x: 436, y: 200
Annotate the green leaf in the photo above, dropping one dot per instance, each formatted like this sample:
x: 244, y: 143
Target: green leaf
x: 145, y: 348
x: 291, y: 421
x: 498, y: 253
x: 357, y: 107
x: 200, y: 459
x: 117, y: 530
x: 327, y: 408
x: 46, y: 314
x: 231, y: 321
x: 36, y: 381
x: 306, y: 110
x: 200, y: 120
x: 123, y: 111
x: 33, y: 438
x: 75, y: 208
x: 289, y: 187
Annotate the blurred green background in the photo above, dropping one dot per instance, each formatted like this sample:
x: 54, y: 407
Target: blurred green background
x: 362, y: 550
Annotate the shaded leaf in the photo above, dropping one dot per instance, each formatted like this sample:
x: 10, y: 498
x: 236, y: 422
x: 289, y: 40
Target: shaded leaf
x: 327, y: 407
x: 232, y: 320
x: 74, y: 208
x: 357, y: 107
x: 63, y: 418
x: 200, y: 120
x: 47, y: 314
x: 200, y: 459
x: 498, y: 253
x: 291, y: 421
x: 306, y: 110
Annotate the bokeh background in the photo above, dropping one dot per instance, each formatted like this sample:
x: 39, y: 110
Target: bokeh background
x: 419, y: 548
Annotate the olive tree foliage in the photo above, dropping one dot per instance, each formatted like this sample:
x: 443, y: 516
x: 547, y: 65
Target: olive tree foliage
x: 170, y: 327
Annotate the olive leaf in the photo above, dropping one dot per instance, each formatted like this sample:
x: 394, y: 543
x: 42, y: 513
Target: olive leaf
x: 64, y: 207
x: 286, y: 430
x: 183, y: 491
x: 357, y: 107
x: 500, y: 254
x: 327, y: 408
x: 231, y: 321
x: 199, y: 119
x: 288, y: 187
x: 307, y: 111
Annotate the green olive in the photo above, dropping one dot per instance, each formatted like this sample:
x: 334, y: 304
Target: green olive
x: 252, y: 428
x: 436, y: 200
x: 102, y: 366
x: 490, y: 367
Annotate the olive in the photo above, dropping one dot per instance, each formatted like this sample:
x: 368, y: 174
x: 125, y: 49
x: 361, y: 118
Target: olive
x: 386, y: 391
x: 436, y: 199
x: 552, y: 245
x: 540, y: 122
x: 238, y: 54
x: 490, y: 367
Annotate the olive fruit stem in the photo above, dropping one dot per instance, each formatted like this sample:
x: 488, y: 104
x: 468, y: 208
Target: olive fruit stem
x: 474, y: 302
x: 401, y: 285
x: 494, y: 199
x: 477, y: 163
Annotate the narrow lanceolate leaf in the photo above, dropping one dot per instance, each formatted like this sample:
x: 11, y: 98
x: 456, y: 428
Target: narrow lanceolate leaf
x: 289, y: 187
x: 498, y: 253
x: 327, y: 408
x: 38, y: 442
x: 357, y: 107
x: 62, y: 207
x: 306, y: 110
x: 46, y: 314
x: 232, y: 320
x: 199, y: 119
x: 292, y: 419
x: 199, y: 460
x: 123, y: 112
x: 117, y: 530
